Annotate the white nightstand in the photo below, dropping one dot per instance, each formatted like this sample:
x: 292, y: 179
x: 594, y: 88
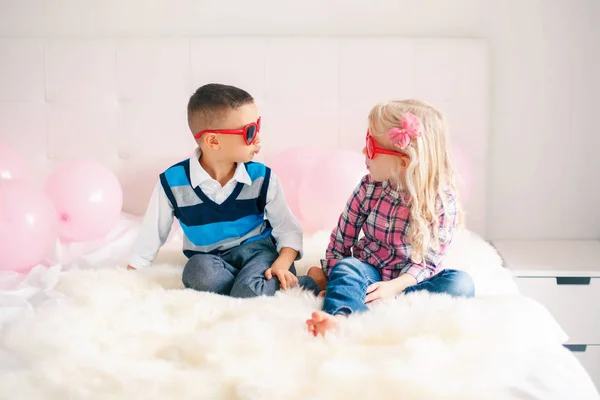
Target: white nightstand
x: 564, y: 276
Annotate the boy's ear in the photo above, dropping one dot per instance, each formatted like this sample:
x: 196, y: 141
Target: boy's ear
x: 212, y: 140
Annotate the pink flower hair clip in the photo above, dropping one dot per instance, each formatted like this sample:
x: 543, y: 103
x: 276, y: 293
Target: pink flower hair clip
x: 410, y: 128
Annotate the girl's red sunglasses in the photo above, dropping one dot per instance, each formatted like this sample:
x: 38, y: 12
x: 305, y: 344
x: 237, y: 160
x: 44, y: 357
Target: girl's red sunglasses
x: 373, y: 149
x: 250, y: 132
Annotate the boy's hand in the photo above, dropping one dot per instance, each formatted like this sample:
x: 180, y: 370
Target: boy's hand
x: 281, y: 268
x: 281, y: 271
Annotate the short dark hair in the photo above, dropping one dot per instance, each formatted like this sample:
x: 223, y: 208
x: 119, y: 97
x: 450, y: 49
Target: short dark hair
x: 210, y: 101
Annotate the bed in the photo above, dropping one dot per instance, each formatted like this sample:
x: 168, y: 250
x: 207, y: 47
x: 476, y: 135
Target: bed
x: 91, y: 329
x: 83, y: 327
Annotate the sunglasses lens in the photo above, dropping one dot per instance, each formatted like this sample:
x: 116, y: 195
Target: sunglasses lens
x: 250, y: 133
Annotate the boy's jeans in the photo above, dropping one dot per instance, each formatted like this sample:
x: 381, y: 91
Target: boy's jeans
x: 240, y: 271
x: 349, y: 279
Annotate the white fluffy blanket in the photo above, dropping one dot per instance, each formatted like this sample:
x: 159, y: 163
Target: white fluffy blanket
x: 138, y: 335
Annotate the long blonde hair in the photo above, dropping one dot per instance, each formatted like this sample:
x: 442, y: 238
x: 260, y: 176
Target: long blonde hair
x: 429, y: 173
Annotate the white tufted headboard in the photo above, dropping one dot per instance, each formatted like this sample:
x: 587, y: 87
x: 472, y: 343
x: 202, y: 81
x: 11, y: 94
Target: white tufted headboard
x: 123, y: 101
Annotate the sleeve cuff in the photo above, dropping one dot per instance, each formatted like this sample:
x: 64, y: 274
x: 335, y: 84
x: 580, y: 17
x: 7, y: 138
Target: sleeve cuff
x: 292, y: 241
x: 138, y: 262
x: 419, y: 272
x: 328, y: 264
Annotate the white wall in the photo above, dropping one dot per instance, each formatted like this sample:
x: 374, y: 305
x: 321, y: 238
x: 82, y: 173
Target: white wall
x: 544, y: 56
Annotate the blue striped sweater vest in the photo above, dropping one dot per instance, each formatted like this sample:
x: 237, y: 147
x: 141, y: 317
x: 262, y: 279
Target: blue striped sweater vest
x: 210, y: 227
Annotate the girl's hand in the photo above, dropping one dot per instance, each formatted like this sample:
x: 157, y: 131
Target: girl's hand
x: 381, y: 291
x: 385, y: 290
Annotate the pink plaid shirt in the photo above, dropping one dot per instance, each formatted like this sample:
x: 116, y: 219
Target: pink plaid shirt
x: 382, y: 215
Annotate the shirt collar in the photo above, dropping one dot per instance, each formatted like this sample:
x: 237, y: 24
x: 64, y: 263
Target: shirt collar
x: 198, y: 175
x: 393, y: 193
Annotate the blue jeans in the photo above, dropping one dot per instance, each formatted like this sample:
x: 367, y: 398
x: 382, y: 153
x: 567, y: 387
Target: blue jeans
x: 349, y: 279
x: 240, y: 271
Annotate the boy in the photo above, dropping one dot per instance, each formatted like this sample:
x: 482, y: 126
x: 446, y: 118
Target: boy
x: 239, y: 234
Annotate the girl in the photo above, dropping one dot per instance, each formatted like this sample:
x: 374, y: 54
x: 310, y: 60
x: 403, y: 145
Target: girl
x: 408, y: 211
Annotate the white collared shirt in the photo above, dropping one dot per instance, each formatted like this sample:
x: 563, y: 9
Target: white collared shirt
x: 159, y: 215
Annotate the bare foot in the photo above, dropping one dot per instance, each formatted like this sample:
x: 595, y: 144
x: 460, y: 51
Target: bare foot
x: 321, y: 322
x: 319, y: 276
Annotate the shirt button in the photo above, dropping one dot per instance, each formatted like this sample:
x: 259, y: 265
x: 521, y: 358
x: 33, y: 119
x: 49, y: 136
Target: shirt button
x: 387, y: 225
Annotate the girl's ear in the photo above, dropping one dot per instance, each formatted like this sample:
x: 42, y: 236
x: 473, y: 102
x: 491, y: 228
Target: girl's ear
x: 404, y: 162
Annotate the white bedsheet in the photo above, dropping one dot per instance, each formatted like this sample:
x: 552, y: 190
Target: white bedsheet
x: 89, y: 329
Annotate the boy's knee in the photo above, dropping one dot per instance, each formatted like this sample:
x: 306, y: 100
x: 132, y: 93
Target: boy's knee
x: 190, y: 280
x: 197, y: 272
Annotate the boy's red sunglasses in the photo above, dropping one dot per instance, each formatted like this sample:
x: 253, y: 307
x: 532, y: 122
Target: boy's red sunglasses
x: 250, y: 132
x: 373, y: 150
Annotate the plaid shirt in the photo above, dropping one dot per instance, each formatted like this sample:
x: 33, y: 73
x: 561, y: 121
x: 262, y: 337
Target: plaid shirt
x: 383, y: 215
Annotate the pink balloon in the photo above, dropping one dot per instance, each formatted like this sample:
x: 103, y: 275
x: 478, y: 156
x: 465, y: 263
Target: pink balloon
x: 289, y: 165
x: 87, y: 197
x: 12, y: 165
x: 28, y: 226
x: 327, y: 186
x: 462, y: 166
